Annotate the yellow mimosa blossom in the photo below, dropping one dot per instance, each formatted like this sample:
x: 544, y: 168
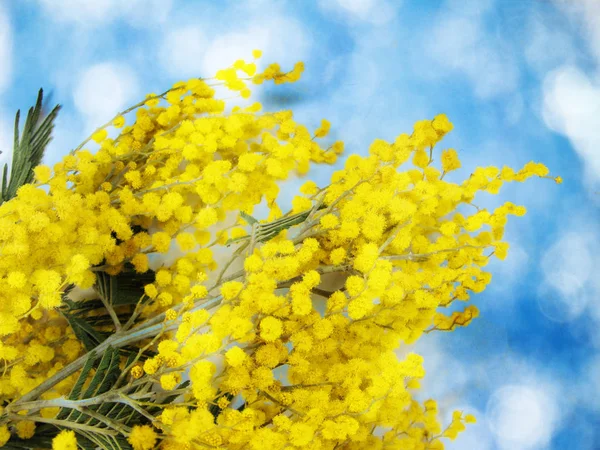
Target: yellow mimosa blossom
x: 271, y: 328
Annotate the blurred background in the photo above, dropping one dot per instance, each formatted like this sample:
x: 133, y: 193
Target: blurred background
x: 520, y: 81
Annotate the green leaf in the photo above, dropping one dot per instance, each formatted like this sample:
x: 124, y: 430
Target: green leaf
x: 4, y: 183
x: 125, y: 288
x: 28, y: 150
x: 89, y: 337
x: 90, y: 441
x: 81, y: 307
x: 42, y: 439
x: 106, y: 374
x: 87, y: 441
x: 100, y: 374
x: 122, y: 291
x: 84, y: 325
x: 267, y: 231
x: 85, y: 371
x: 248, y: 218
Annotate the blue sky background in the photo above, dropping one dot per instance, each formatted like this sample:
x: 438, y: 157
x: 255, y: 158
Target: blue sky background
x: 520, y: 82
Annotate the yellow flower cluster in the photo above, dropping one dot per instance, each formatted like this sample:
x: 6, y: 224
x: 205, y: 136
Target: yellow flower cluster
x: 403, y: 254
x: 297, y: 349
x: 65, y: 440
x: 178, y: 169
x: 142, y: 437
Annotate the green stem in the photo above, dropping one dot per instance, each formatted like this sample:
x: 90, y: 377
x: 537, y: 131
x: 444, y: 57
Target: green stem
x: 64, y: 424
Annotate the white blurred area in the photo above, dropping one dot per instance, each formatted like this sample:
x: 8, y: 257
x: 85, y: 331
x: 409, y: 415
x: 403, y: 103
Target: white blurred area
x: 570, y: 267
x: 6, y: 55
x: 376, y: 12
x: 571, y: 95
x: 526, y: 408
x: 570, y: 291
x: 571, y: 107
x: 6, y: 142
x: 522, y: 416
x: 459, y: 43
x: 103, y: 90
x: 6, y: 61
x: 195, y: 51
x: 181, y: 50
x: 141, y: 13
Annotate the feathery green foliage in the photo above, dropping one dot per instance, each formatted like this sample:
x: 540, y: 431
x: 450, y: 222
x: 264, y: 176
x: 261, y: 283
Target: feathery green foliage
x: 28, y: 150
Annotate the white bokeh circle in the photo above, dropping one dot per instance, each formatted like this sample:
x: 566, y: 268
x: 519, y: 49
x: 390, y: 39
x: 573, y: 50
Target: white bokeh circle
x: 521, y: 417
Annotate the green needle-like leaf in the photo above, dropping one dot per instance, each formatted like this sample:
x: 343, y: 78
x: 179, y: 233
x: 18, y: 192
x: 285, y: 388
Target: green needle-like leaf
x: 28, y: 150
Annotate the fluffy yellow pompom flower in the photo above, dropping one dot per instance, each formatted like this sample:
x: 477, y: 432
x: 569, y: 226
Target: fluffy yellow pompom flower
x: 231, y: 289
x: 448, y: 228
x: 79, y: 263
x: 441, y: 124
x: 25, y: 429
x: 65, y: 440
x: 354, y: 285
x: 337, y: 256
x: 520, y: 211
x: 4, y: 435
x: 134, y: 178
x: 300, y: 204
x: 301, y: 434
x: 140, y: 262
x: 421, y: 158
x: 206, y: 218
x: 151, y: 365
x: 119, y: 122
x: 366, y: 257
x: 329, y: 221
x: 235, y: 356
x: 169, y: 381
x: 186, y: 241
x: 164, y: 299
x: 309, y: 188
x: 323, y: 130
x: 253, y: 263
x: 163, y: 277
x: 382, y: 149
x: 270, y: 328
x: 171, y: 314
x: 501, y: 250
x: 137, y: 372
x: 42, y: 173
x: 142, y: 437
x: 16, y: 279
x: 47, y: 281
x: 450, y: 160
x: 150, y: 290
x: 161, y: 241
x: 311, y: 279
x: 535, y: 169
x: 99, y: 135
x: 71, y: 348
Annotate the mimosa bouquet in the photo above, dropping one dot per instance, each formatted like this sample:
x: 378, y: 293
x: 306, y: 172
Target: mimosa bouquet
x: 261, y: 333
